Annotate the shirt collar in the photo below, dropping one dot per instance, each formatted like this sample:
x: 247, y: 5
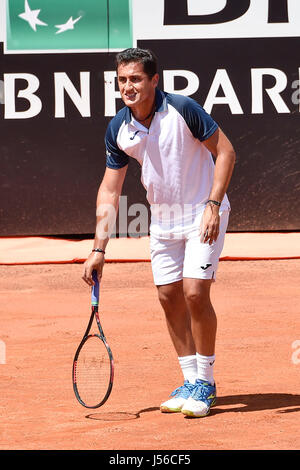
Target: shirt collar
x: 160, y: 105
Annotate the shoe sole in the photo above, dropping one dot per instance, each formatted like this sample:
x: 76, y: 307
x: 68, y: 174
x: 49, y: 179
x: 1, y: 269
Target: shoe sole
x: 170, y: 410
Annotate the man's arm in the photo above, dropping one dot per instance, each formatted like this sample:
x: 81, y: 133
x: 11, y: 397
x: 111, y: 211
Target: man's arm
x: 222, y: 149
x: 107, y: 206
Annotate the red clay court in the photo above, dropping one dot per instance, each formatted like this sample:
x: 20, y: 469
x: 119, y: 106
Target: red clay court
x: 44, y: 311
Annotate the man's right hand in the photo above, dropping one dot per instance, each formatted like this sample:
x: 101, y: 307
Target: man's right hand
x: 95, y: 261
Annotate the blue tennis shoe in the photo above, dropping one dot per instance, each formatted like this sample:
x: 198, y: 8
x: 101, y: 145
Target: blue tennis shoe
x: 202, y: 398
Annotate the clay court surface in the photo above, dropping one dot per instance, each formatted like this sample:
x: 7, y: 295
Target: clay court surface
x: 44, y: 312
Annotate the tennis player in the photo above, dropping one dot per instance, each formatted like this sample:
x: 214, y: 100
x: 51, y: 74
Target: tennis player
x: 173, y: 139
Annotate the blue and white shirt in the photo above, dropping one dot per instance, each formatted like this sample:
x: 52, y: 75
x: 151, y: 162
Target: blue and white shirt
x: 177, y: 169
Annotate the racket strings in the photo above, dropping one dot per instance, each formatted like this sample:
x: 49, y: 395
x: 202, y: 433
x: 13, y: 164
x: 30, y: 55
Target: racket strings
x: 93, y: 371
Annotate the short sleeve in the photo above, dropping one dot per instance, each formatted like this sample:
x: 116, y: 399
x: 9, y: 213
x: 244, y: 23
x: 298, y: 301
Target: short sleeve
x: 200, y: 123
x: 115, y: 157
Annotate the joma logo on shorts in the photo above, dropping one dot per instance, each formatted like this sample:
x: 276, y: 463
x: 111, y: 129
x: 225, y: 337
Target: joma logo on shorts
x: 206, y: 266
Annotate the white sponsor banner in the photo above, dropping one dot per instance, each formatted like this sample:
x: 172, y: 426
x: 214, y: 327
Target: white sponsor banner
x: 148, y: 21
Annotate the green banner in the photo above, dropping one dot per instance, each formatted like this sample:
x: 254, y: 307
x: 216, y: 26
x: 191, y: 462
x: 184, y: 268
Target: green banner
x: 68, y: 25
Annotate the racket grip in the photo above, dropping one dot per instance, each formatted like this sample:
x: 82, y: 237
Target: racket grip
x: 95, y: 288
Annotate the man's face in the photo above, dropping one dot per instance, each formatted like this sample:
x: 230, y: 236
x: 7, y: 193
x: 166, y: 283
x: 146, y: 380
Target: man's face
x: 136, y: 88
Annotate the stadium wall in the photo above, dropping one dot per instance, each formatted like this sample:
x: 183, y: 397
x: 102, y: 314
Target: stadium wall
x: 58, y: 92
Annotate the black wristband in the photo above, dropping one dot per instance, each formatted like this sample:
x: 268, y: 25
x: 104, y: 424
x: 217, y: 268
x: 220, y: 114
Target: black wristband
x: 216, y: 203
x: 98, y: 250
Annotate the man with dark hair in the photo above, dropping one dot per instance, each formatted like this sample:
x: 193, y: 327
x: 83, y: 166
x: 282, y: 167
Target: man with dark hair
x: 173, y: 139
x: 143, y: 56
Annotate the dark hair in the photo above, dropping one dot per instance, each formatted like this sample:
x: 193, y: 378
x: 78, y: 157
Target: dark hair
x: 144, y: 56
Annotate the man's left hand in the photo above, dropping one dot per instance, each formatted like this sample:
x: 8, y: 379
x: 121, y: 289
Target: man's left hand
x: 210, y: 224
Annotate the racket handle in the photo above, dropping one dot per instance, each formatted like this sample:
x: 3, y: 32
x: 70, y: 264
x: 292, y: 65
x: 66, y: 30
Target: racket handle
x: 95, y: 289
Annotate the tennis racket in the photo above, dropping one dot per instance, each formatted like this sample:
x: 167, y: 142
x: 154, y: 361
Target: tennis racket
x: 93, y: 365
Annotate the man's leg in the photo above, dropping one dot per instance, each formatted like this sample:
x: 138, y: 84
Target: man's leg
x: 178, y: 320
x: 203, y: 317
x: 199, y: 271
x: 191, y: 319
x: 204, y: 328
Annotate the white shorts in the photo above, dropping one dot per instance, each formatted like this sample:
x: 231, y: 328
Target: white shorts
x: 178, y: 253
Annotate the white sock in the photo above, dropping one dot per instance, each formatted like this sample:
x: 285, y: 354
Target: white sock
x: 188, y: 366
x: 205, y: 365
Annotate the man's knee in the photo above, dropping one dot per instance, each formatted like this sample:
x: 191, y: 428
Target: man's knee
x: 171, y: 294
x: 197, y: 292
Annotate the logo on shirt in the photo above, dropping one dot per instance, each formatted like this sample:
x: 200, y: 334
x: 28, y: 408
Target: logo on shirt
x: 133, y: 136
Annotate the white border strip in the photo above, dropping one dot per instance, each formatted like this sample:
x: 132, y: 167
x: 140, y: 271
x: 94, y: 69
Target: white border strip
x: 58, y: 51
